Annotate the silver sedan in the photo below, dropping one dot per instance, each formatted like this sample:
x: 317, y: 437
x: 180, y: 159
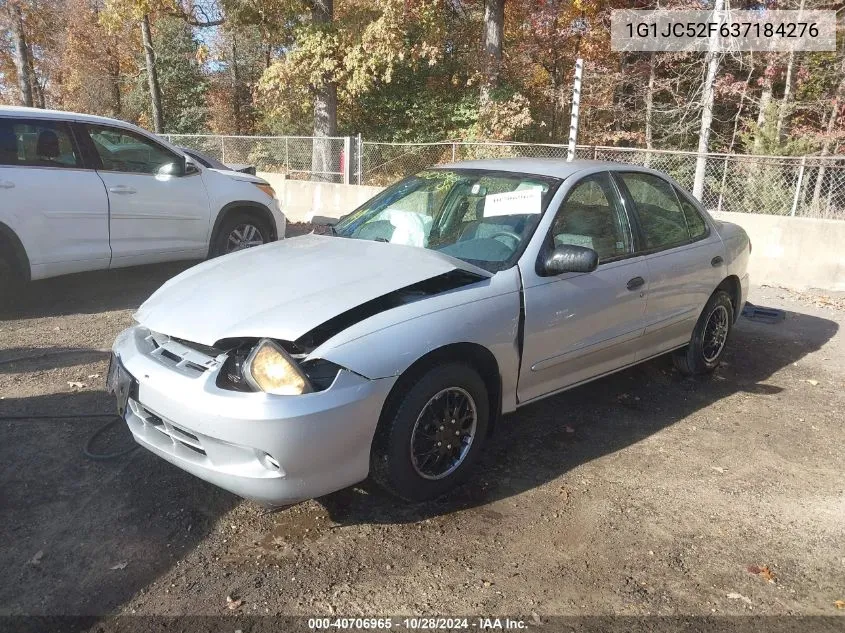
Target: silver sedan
x: 390, y: 348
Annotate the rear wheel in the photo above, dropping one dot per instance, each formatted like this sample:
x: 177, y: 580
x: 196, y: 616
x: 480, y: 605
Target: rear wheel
x: 432, y: 437
x: 240, y: 231
x: 709, y: 339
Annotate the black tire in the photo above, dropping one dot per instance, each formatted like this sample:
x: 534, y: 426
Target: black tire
x: 221, y: 245
x: 10, y: 279
x: 701, y: 356
x: 391, y: 462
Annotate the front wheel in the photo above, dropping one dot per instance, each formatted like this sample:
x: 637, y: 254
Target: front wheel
x: 709, y: 339
x: 427, y: 443
x: 10, y: 279
x: 239, y: 231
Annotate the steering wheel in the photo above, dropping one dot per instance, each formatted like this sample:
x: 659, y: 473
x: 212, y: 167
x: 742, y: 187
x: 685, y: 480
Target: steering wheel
x: 509, y: 235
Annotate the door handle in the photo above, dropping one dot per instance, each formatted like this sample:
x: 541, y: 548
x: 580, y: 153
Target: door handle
x: 716, y: 261
x: 122, y: 190
x: 7, y: 184
x: 636, y: 282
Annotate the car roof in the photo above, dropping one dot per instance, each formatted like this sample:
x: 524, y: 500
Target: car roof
x: 60, y: 115
x: 556, y: 168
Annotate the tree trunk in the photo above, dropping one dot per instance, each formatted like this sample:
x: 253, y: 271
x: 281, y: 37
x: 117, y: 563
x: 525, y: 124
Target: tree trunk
x: 491, y: 43
x: 236, y: 92
x: 114, y: 82
x: 152, y: 76
x: 649, y: 108
x: 765, y: 102
x: 21, y: 54
x: 38, y: 99
x: 783, y: 108
x: 711, y: 61
x: 325, y: 107
x: 831, y: 126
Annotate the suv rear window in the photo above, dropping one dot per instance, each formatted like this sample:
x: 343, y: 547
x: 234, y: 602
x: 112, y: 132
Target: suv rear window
x: 28, y: 143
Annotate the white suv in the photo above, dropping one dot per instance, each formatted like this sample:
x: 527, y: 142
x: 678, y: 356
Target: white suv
x: 80, y: 192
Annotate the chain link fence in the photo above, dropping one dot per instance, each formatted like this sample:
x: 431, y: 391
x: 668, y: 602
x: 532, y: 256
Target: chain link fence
x: 808, y: 186
x: 299, y: 157
x: 777, y: 185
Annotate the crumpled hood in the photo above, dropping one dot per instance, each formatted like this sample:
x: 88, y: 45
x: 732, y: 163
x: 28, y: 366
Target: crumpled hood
x: 284, y: 289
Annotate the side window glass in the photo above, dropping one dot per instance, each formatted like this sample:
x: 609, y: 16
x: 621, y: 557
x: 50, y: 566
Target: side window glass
x: 661, y: 219
x: 696, y: 224
x: 29, y: 143
x: 591, y: 217
x: 125, y: 151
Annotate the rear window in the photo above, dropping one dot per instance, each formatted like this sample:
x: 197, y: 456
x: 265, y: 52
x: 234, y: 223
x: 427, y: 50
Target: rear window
x: 661, y: 219
x: 697, y: 225
x: 27, y: 143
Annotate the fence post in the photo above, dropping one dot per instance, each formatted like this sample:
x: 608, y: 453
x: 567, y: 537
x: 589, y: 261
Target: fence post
x: 722, y: 185
x: 595, y: 152
x: 453, y: 152
x: 359, y: 156
x: 576, y: 109
x: 222, y: 149
x: 797, y: 197
x: 347, y: 160
x: 287, y: 157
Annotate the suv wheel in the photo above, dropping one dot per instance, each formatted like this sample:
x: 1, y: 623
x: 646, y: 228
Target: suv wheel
x: 434, y: 435
x: 240, y: 231
x: 709, y: 339
x: 10, y: 280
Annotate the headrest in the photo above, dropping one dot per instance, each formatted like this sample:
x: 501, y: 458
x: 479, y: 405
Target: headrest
x: 48, y: 144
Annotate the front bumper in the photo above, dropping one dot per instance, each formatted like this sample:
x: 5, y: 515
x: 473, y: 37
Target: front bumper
x: 275, y: 450
x: 279, y: 218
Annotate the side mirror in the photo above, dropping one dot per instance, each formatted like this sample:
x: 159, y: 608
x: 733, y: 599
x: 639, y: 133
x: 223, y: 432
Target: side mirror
x: 190, y: 167
x: 569, y: 258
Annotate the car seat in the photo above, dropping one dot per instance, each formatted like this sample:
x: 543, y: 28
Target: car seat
x: 47, y: 148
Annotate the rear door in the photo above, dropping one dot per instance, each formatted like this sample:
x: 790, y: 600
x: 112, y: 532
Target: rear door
x: 684, y: 260
x: 579, y: 326
x: 56, y: 205
x: 157, y: 213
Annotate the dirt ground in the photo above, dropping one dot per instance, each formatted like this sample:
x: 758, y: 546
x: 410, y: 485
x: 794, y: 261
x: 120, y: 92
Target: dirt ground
x: 642, y: 493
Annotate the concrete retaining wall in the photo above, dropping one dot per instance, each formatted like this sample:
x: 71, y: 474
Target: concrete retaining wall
x: 792, y: 252
x: 302, y: 199
x: 796, y: 253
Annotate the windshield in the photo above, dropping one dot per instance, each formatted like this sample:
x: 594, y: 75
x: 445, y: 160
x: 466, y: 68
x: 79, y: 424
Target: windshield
x: 482, y: 217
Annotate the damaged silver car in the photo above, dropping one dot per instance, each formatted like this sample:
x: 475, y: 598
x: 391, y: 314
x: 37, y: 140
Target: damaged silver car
x: 391, y: 348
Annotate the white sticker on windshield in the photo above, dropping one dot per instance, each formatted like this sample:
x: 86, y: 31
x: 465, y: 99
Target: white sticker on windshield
x: 527, y: 201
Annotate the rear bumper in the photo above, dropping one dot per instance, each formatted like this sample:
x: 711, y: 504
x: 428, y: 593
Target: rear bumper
x: 275, y: 450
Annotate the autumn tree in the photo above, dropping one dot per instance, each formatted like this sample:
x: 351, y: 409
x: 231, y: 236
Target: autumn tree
x: 93, y: 63
x: 182, y: 81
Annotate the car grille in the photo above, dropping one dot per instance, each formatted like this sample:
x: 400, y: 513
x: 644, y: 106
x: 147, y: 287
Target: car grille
x: 188, y: 358
x: 176, y: 434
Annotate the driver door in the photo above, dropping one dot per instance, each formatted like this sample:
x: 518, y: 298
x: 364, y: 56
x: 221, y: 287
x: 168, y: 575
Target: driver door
x: 155, y: 212
x: 582, y: 325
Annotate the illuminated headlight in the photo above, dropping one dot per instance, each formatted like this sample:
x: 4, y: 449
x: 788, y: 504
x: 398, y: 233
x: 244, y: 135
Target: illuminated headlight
x: 270, y: 369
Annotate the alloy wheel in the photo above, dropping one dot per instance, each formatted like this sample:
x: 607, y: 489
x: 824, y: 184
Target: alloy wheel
x: 715, y: 333
x: 443, y: 433
x: 244, y: 236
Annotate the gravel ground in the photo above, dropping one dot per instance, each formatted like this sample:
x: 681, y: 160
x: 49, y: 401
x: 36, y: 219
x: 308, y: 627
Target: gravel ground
x: 642, y: 493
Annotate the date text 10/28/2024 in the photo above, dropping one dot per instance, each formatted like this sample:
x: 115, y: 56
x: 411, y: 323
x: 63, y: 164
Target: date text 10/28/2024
x: 418, y: 624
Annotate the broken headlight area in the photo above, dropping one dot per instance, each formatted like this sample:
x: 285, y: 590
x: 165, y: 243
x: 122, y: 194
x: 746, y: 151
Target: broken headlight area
x: 275, y: 367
